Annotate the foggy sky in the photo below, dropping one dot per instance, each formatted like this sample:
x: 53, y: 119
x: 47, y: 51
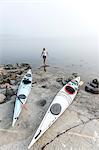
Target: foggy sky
x: 49, y: 18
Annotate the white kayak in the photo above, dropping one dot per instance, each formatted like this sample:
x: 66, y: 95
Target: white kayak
x: 60, y: 103
x: 22, y: 94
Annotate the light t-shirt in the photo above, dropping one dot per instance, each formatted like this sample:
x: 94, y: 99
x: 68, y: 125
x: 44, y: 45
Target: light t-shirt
x: 44, y: 53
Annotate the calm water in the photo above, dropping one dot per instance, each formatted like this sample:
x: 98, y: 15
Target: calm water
x: 73, y: 53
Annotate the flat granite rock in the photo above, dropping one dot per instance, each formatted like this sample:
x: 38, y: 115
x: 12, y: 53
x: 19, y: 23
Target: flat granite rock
x: 2, y: 97
x: 76, y: 129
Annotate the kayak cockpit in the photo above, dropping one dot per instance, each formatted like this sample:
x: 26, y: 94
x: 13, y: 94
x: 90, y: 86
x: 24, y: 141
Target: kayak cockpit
x: 28, y: 75
x: 69, y: 89
x: 55, y: 109
x: 26, y: 81
x: 21, y: 96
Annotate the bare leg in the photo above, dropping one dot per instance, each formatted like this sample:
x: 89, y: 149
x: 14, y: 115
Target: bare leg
x: 44, y: 59
x: 45, y: 68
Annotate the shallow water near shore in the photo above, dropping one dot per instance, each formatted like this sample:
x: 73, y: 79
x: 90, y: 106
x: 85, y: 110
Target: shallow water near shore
x: 76, y: 54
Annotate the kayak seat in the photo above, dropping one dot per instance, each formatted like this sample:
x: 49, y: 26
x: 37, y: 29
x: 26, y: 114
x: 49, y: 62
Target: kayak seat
x: 69, y: 89
x: 55, y: 109
x: 26, y: 81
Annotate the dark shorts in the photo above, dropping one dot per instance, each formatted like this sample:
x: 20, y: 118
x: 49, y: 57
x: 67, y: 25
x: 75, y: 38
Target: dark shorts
x: 44, y: 57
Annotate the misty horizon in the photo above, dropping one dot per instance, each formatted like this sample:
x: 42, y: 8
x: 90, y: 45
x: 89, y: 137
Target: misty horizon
x: 49, y: 18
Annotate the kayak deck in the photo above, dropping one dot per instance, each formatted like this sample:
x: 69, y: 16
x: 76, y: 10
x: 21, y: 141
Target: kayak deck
x: 22, y: 94
x: 60, y: 103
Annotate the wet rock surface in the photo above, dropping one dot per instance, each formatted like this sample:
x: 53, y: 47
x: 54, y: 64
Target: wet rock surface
x: 10, y: 77
x: 77, y: 128
x: 2, y: 98
x: 92, y: 86
x: 42, y: 103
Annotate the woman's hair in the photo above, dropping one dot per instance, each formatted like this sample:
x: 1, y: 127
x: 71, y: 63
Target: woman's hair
x: 43, y: 49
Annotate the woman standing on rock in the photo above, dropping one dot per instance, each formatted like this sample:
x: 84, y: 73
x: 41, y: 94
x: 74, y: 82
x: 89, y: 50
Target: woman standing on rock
x: 44, y: 55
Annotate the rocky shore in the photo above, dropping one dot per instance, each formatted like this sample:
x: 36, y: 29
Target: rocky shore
x: 76, y: 129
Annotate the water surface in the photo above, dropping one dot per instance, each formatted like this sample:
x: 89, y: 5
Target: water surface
x: 73, y: 53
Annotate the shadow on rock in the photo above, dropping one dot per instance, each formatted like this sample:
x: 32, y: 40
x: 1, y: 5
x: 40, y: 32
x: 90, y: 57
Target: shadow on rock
x: 41, y: 103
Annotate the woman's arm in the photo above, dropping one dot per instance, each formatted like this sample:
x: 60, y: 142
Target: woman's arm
x: 42, y: 53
